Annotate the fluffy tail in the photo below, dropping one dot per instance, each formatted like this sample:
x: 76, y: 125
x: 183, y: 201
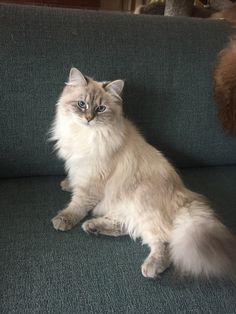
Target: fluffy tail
x: 200, y: 244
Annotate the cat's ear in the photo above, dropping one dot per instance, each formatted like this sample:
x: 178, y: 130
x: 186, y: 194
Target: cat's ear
x: 76, y: 78
x: 115, y: 87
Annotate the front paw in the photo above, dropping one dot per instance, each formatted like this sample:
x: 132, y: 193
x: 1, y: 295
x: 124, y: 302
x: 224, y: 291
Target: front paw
x: 63, y: 222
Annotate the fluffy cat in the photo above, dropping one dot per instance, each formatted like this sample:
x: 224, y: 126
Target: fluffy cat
x: 130, y: 187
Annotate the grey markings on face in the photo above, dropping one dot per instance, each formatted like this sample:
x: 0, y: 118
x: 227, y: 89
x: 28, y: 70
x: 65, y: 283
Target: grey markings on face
x: 94, y: 101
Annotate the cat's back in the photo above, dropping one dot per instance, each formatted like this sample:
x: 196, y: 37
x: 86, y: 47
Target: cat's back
x: 139, y: 157
x: 138, y: 146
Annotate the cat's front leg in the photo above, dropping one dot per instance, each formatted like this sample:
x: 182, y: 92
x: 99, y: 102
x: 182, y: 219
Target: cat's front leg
x: 65, y: 220
x: 81, y: 203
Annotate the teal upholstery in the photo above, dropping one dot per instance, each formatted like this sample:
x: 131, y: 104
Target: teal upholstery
x: 46, y: 271
x: 168, y: 65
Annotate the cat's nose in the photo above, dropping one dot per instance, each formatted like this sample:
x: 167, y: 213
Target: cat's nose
x: 89, y: 117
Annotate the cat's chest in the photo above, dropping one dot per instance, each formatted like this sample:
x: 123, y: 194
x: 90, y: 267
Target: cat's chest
x: 83, y: 158
x: 83, y: 147
x: 77, y: 148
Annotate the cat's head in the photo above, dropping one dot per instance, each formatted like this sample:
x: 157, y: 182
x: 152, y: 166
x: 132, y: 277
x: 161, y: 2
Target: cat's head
x: 92, y: 103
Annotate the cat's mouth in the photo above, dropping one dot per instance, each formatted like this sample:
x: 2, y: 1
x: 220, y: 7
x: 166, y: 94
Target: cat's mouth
x: 86, y: 122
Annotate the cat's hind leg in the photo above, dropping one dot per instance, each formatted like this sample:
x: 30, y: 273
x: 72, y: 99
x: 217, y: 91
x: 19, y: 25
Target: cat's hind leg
x: 65, y: 185
x: 157, y: 261
x: 104, y: 225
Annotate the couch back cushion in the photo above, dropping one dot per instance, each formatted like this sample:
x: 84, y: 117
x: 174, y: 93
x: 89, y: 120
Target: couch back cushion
x: 167, y: 64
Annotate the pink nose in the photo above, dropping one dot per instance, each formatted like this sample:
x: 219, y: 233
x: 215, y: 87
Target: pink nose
x: 89, y: 117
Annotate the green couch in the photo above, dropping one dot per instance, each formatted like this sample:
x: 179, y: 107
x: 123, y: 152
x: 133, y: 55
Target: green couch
x: 167, y: 64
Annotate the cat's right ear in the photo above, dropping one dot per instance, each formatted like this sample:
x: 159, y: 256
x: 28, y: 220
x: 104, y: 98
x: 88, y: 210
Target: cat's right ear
x: 76, y: 78
x: 114, y: 87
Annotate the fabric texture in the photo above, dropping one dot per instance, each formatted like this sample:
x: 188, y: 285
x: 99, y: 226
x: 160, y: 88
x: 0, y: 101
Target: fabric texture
x: 47, y: 271
x: 167, y: 64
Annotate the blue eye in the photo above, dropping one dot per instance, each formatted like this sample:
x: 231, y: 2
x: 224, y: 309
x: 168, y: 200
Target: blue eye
x: 82, y: 104
x: 100, y: 108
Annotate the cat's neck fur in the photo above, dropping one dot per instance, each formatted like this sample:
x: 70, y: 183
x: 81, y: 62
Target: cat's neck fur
x: 75, y: 140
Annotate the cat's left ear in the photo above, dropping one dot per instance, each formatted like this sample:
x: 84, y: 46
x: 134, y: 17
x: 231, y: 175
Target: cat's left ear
x: 115, y: 87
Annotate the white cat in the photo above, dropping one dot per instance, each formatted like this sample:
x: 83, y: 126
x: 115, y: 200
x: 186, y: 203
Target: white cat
x: 130, y: 187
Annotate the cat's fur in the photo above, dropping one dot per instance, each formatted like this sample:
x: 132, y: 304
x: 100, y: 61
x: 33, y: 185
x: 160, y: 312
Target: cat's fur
x: 130, y: 186
x: 225, y: 86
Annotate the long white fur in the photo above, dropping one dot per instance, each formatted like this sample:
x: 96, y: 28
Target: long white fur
x: 141, y: 190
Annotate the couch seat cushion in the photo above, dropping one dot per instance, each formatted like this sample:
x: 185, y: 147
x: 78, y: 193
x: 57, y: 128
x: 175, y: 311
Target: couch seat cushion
x: 46, y: 271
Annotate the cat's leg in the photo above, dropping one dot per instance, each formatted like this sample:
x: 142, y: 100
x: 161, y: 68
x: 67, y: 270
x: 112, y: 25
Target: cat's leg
x: 65, y: 185
x: 104, y: 225
x: 81, y: 203
x: 157, y: 261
